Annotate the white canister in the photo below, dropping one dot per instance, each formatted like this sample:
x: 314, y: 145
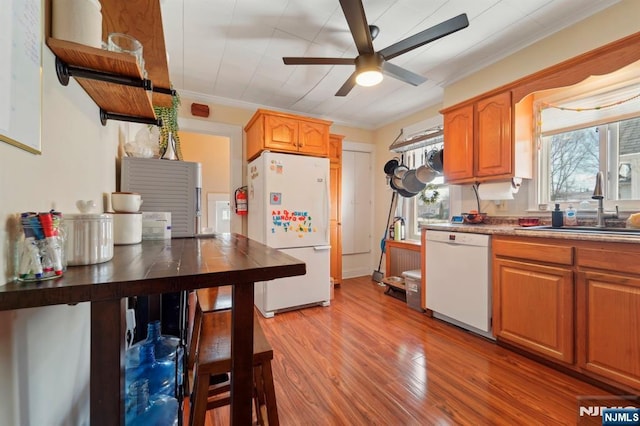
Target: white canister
x: 127, y: 228
x: 88, y: 238
x: 79, y: 21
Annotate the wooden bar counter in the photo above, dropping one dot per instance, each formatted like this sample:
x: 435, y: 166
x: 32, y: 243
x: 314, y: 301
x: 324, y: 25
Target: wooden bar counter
x: 150, y: 268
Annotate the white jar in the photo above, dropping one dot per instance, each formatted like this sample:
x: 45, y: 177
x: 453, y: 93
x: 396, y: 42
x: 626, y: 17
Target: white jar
x: 88, y: 238
x: 79, y: 21
x: 127, y: 228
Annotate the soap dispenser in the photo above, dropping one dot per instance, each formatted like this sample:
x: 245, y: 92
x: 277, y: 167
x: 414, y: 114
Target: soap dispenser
x: 571, y: 217
x: 557, y: 217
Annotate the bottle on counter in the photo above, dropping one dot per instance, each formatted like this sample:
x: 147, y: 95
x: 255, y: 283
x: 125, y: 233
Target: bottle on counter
x: 399, y: 229
x: 571, y: 217
x: 557, y: 217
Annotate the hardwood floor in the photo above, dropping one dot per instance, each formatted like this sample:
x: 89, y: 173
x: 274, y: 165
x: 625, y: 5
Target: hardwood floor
x: 368, y: 359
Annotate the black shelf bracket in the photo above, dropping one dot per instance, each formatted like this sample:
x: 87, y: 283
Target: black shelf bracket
x: 64, y: 71
x: 104, y: 116
x: 164, y: 91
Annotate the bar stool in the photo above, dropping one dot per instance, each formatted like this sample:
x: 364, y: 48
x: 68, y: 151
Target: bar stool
x: 213, y: 358
x: 206, y: 300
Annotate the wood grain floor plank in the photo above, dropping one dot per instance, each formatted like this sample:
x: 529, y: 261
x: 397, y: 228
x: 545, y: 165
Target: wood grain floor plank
x: 368, y: 359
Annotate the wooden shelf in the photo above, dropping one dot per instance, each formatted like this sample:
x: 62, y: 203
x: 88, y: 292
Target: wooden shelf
x: 142, y: 20
x: 111, y: 97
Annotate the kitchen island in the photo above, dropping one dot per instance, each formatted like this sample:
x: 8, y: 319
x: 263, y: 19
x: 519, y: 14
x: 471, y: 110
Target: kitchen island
x: 151, y: 268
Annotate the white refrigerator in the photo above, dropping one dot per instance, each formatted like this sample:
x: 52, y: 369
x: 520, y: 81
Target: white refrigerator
x: 289, y: 210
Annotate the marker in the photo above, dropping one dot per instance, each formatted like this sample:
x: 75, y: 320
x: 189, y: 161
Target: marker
x: 53, y: 245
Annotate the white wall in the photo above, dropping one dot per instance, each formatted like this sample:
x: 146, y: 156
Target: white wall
x: 44, y: 352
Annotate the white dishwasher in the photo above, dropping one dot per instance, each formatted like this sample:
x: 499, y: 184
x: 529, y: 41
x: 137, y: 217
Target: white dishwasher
x: 458, y: 279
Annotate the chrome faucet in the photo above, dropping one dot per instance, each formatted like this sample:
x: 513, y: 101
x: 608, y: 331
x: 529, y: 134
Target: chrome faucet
x: 598, y: 194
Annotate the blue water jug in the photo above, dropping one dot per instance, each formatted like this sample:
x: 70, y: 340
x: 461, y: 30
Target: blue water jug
x: 141, y: 363
x: 143, y: 410
x: 167, y: 348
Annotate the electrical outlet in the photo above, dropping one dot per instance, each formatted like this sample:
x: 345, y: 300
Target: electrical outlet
x: 501, y: 205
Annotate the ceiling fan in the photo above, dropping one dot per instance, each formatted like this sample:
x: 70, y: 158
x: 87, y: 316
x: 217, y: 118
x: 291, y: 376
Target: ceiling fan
x: 370, y: 65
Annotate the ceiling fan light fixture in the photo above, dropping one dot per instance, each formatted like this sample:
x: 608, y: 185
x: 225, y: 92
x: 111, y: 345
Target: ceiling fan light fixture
x: 369, y: 78
x: 369, y: 70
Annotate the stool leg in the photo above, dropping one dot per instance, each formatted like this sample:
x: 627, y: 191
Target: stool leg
x: 199, y: 399
x: 195, y: 335
x: 270, y: 394
x: 258, y: 398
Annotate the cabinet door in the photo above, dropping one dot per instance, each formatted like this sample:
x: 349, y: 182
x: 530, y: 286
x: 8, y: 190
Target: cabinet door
x: 493, y: 150
x: 314, y: 139
x: 533, y: 307
x: 458, y: 145
x: 335, y: 225
x: 608, y: 326
x: 280, y: 134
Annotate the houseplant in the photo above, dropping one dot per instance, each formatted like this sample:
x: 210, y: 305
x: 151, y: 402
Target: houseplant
x: 169, y: 128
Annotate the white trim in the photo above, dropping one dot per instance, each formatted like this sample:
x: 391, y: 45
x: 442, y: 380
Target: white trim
x: 358, y: 147
x: 236, y: 154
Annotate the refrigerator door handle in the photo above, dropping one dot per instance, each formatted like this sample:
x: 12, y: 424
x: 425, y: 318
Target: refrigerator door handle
x: 318, y: 248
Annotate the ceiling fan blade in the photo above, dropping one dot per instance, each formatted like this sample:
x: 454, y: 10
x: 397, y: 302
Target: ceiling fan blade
x: 430, y: 34
x: 402, y: 74
x: 357, y: 20
x: 318, y: 61
x: 347, y: 86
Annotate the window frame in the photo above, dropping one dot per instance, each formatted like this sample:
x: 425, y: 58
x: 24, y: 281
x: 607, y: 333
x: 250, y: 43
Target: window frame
x: 608, y: 162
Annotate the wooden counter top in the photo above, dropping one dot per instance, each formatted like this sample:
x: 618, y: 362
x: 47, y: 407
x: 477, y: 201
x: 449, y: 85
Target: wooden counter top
x: 153, y: 267
x: 528, y: 232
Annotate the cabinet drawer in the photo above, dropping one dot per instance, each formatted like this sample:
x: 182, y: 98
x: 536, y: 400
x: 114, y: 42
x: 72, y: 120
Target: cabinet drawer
x: 610, y: 259
x: 541, y: 252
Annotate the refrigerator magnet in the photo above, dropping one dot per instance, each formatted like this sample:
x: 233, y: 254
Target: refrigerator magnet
x: 276, y: 198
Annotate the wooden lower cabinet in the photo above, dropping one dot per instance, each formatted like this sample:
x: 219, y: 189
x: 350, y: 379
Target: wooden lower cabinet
x: 608, y: 331
x: 573, y: 302
x: 533, y: 307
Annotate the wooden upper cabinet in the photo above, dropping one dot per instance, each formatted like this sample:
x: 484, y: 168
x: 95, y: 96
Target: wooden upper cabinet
x: 489, y: 139
x: 280, y: 132
x: 493, y: 144
x: 335, y: 148
x: 314, y: 139
x: 458, y: 137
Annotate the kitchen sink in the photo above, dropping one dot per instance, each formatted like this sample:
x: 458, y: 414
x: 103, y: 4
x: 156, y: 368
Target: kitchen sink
x: 585, y: 229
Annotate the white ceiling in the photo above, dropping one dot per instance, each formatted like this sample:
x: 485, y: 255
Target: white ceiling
x: 230, y: 51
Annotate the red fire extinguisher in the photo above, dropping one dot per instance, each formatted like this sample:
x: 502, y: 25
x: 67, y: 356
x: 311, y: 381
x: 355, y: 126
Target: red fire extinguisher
x: 241, y: 201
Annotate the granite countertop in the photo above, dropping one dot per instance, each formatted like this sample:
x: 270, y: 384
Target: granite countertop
x: 504, y: 227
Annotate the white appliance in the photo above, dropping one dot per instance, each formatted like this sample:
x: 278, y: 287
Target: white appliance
x: 166, y: 186
x: 289, y: 210
x: 458, y: 279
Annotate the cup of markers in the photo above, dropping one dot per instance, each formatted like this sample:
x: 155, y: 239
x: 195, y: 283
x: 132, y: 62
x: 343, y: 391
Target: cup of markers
x: 41, y: 253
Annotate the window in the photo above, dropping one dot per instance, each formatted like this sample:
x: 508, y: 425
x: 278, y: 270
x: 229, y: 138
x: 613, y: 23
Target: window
x: 586, y: 129
x: 570, y: 160
x: 415, y: 210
